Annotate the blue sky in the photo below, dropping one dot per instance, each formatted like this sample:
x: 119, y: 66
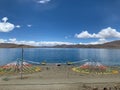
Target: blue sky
x: 51, y: 22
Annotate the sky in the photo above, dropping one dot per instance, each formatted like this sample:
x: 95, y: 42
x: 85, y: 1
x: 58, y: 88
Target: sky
x: 56, y: 22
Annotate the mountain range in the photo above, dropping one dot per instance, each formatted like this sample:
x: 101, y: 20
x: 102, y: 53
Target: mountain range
x: 11, y: 45
x: 113, y: 44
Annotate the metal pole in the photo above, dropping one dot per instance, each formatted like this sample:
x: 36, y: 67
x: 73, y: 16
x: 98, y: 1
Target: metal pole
x: 21, y: 71
x: 17, y: 65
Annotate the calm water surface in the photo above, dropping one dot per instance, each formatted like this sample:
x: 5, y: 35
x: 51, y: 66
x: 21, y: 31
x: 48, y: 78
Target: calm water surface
x: 61, y: 55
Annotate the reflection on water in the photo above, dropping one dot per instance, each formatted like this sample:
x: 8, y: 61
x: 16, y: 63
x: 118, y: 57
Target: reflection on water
x: 8, y: 55
x: 61, y: 55
x: 110, y: 56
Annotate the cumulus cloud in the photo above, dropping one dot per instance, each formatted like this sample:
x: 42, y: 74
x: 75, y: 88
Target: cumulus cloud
x: 43, y: 1
x: 4, y: 19
x: 83, y: 34
x: 12, y: 39
x: 6, y: 26
x: 3, y: 40
x: 99, y: 41
x: 104, y: 33
x: 47, y: 43
x: 18, y: 26
x: 44, y: 43
x: 34, y: 43
x: 29, y: 25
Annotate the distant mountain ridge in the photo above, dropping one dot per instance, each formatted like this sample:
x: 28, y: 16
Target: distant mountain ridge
x: 113, y: 44
x: 11, y: 45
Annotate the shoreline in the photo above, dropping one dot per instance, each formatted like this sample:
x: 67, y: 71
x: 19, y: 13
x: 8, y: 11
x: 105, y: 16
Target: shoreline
x: 59, y: 78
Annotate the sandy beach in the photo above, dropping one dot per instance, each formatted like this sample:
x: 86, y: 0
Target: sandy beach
x: 62, y: 77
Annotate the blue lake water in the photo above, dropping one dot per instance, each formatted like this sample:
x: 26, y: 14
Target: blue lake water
x: 61, y: 55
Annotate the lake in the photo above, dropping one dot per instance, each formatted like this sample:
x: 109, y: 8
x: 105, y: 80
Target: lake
x: 61, y: 55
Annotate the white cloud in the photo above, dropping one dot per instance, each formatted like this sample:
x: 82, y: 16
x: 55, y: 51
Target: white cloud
x: 12, y: 39
x: 18, y: 26
x: 43, y: 1
x: 108, y: 33
x: 45, y: 43
x: 4, y: 19
x: 104, y: 33
x: 100, y: 41
x: 34, y: 43
x: 6, y: 26
x: 29, y: 25
x: 3, y: 40
x: 83, y: 34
